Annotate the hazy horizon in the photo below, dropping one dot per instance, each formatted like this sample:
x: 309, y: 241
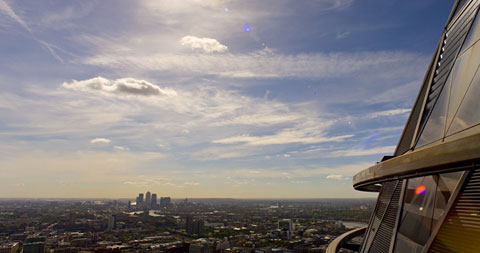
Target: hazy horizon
x: 199, y: 99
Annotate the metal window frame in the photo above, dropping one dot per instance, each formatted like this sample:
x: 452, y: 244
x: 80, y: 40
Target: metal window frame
x: 451, y: 21
x: 417, y: 132
x: 458, y: 189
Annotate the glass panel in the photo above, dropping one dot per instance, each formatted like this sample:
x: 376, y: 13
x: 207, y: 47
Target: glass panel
x: 403, y: 244
x: 468, y: 114
x: 467, y: 132
x: 416, y: 222
x: 435, y: 127
x: 445, y: 186
x: 463, y: 72
x: 473, y: 34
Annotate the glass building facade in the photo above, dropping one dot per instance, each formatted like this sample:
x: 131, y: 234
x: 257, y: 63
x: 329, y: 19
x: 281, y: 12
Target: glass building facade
x: 429, y: 191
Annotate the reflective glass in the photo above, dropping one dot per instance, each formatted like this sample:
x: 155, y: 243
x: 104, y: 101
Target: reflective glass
x: 435, y: 127
x: 445, y: 186
x: 403, y: 244
x: 468, y: 113
x: 463, y: 72
x: 416, y: 221
x: 473, y: 34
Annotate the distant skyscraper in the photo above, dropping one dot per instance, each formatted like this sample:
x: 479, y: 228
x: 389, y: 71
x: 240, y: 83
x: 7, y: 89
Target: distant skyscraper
x: 194, y: 226
x: 198, y: 227
x: 112, y: 222
x: 165, y: 202
x: 189, y: 224
x: 154, y: 200
x: 148, y: 198
x: 140, y: 198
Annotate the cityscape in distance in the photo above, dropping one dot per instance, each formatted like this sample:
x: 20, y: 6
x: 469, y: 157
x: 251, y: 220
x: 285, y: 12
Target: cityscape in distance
x: 177, y: 225
x: 216, y: 126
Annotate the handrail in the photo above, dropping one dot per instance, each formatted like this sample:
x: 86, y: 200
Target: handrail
x: 425, y: 160
x: 336, y: 244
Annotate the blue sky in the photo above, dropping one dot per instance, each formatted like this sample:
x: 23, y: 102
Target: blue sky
x: 112, y: 98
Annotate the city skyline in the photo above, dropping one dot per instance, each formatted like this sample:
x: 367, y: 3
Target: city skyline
x: 206, y: 99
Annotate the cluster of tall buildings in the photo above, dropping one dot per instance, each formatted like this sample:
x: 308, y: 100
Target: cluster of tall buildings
x: 150, y: 201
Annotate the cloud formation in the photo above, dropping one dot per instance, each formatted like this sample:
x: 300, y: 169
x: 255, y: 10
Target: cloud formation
x: 206, y: 45
x: 121, y: 148
x: 302, y: 133
x: 7, y: 10
x: 373, y: 151
x: 124, y: 86
x: 388, y: 113
x: 336, y: 176
x: 100, y: 140
x: 266, y: 64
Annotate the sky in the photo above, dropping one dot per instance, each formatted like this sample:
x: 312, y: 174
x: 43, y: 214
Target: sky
x: 206, y: 98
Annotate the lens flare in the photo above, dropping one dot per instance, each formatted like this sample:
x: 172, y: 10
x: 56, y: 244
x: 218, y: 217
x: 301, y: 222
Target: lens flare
x: 246, y: 28
x: 420, y: 190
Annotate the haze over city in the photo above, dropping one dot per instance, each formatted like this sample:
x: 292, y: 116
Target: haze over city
x: 206, y: 99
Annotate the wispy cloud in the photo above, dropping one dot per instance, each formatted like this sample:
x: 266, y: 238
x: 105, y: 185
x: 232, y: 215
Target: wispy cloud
x: 336, y: 176
x: 388, y: 113
x: 7, y: 10
x: 145, y: 181
x: 263, y: 64
x: 373, y: 151
x: 121, y: 148
x: 192, y: 183
x: 283, y: 137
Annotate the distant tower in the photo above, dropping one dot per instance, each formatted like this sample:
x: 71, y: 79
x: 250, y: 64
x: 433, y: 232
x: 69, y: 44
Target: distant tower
x: 112, y: 222
x: 198, y: 227
x: 148, y: 198
x: 165, y: 202
x: 189, y: 225
x: 154, y: 200
x: 140, y: 198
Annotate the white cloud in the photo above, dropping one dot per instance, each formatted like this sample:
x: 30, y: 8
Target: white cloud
x: 121, y: 148
x: 388, y: 113
x: 336, y: 176
x: 207, y: 45
x: 191, y: 183
x: 373, y: 151
x: 124, y: 86
x: 100, y: 140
